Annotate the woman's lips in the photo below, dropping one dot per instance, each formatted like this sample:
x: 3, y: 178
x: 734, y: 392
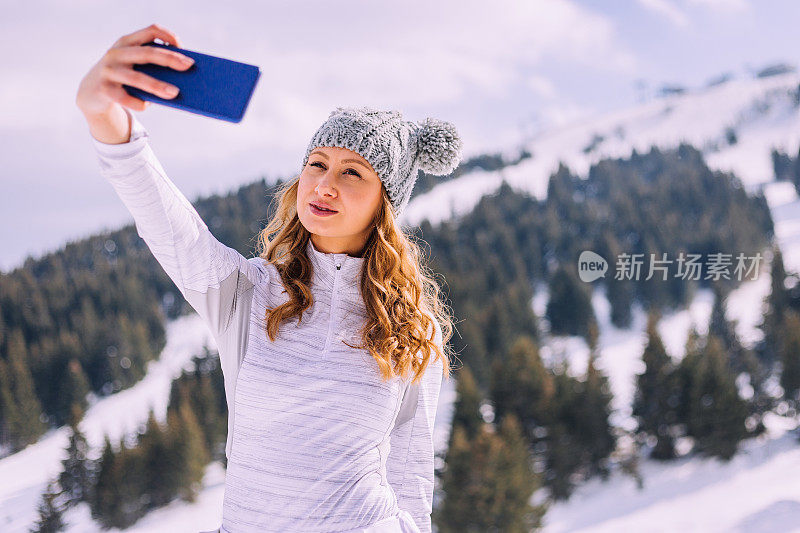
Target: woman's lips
x: 320, y: 212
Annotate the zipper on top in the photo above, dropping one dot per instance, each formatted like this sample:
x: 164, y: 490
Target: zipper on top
x: 334, y: 305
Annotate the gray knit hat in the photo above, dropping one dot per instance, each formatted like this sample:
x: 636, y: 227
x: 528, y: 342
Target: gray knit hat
x: 395, y: 148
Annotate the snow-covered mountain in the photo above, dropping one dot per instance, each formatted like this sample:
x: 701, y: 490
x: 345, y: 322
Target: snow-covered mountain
x: 757, y: 491
x: 763, y: 113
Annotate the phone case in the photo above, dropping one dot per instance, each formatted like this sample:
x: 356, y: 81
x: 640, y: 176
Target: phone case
x: 213, y: 86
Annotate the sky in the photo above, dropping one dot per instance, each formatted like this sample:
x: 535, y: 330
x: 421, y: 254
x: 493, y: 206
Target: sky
x: 499, y: 71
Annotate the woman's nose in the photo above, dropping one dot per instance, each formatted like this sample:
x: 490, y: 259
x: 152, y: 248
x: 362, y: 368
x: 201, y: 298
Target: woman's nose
x: 326, y: 183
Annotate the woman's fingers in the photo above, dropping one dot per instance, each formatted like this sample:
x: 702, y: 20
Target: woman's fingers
x: 134, y: 78
x: 151, y: 54
x: 121, y: 70
x: 146, y: 35
x: 101, y: 88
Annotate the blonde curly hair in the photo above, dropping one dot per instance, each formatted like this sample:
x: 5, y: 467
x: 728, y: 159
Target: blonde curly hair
x: 407, y: 321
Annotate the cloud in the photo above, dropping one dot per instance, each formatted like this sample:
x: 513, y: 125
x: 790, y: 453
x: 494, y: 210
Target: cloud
x: 555, y: 116
x: 542, y: 86
x: 668, y: 10
x: 677, y: 16
x: 413, y: 54
x: 723, y: 6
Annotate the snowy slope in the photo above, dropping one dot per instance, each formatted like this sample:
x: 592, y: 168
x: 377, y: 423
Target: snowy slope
x: 25, y: 474
x: 757, y: 491
x: 760, y: 110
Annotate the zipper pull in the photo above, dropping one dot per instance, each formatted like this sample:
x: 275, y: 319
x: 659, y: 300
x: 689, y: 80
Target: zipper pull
x: 338, y: 266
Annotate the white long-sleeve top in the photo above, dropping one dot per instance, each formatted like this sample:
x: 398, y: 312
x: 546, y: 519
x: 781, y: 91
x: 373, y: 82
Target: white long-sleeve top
x: 317, y: 440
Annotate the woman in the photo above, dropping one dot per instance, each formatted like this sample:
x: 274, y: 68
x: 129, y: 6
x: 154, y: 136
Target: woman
x: 332, y: 341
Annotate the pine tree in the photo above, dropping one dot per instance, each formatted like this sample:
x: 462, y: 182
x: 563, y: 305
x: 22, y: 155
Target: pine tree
x: 488, y: 482
x: 9, y: 413
x: 21, y: 407
x: 73, y: 391
x: 187, y: 450
x: 778, y: 299
x: 741, y: 359
x: 655, y: 398
x: 687, y: 374
x: 569, y: 309
x: 778, y: 302
x: 461, y: 484
x: 593, y: 426
x: 106, y: 505
x: 76, y: 475
x: 211, y: 423
x: 466, y: 413
x: 132, y: 489
x: 790, y: 357
x: 619, y: 292
x: 516, y: 481
x: 564, y: 454
x: 593, y: 337
x: 119, y: 498
x: 522, y: 386
x: 51, y: 510
x: 717, y: 413
x: 157, y: 466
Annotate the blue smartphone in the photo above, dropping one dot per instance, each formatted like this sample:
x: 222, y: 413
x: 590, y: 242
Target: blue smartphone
x: 213, y: 86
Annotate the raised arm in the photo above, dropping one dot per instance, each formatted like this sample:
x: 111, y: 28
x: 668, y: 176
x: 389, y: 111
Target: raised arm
x: 208, y: 274
x: 410, y: 465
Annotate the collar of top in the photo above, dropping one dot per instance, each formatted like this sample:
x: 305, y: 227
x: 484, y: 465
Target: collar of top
x: 328, y: 268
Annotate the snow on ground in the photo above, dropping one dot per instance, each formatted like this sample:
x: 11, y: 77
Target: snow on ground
x: 785, y: 208
x: 757, y: 491
x: 746, y: 305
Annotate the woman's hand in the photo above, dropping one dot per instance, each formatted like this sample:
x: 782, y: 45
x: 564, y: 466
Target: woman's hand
x: 101, y: 96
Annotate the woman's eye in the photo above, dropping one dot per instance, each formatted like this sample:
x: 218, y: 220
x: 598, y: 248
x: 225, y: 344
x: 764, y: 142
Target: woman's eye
x: 320, y: 165
x: 354, y: 172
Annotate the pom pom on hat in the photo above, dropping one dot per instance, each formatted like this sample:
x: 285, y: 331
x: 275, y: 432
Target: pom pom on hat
x: 438, y: 147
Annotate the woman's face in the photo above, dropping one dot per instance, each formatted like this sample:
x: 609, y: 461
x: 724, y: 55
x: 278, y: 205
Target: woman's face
x: 344, y: 181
